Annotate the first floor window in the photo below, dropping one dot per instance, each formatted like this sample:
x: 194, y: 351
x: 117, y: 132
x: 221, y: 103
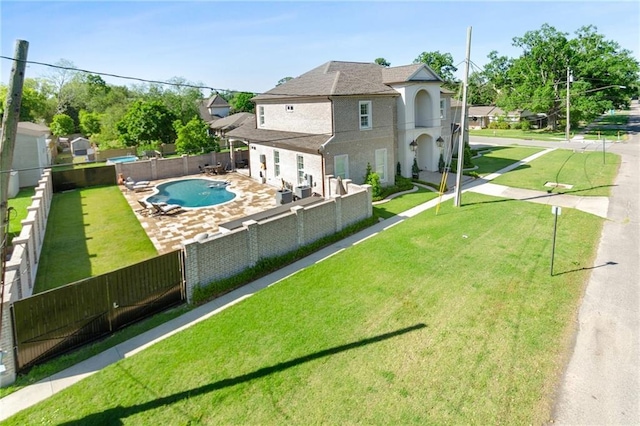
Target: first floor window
x: 443, y: 111
x: 381, y: 164
x: 300, y: 161
x: 276, y: 162
x: 341, y: 166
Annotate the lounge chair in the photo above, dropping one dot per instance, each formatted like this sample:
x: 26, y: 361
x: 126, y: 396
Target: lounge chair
x: 140, y: 182
x: 146, y: 209
x: 138, y: 186
x: 166, y: 209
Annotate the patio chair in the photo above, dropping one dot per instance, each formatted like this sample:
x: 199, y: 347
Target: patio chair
x: 166, y: 209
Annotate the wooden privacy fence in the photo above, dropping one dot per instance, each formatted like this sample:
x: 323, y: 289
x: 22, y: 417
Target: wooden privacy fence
x: 53, y: 322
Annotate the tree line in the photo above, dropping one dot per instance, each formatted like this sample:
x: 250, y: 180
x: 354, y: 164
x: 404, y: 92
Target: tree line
x: 602, y: 76
x: 69, y: 101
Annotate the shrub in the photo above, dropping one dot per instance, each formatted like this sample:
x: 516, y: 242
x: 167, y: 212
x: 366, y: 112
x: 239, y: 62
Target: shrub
x: 493, y: 125
x: 503, y: 125
x: 372, y: 179
x: 525, y: 125
x: 468, y: 157
x: 515, y: 126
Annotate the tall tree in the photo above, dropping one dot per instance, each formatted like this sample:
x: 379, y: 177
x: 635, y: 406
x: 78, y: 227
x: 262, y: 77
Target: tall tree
x: 34, y: 106
x: 194, y: 138
x: 383, y: 62
x: 62, y: 125
x: 59, y: 79
x: 241, y: 102
x: 537, y: 79
x: 147, y: 122
x: 441, y: 63
x: 480, y: 90
x: 89, y: 123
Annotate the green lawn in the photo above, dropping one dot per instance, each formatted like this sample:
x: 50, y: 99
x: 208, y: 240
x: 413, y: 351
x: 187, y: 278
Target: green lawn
x: 447, y: 319
x: 500, y: 157
x: 19, y: 204
x: 587, y: 172
x: 403, y: 202
x: 89, y: 232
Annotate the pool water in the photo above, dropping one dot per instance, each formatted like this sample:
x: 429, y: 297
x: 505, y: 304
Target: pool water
x: 192, y: 193
x: 124, y: 159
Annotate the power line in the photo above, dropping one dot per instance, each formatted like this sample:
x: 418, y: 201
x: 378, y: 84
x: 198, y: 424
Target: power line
x: 144, y: 80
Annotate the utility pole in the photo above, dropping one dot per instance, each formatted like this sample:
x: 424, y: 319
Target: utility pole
x: 7, y: 142
x: 463, y: 124
x: 568, y: 126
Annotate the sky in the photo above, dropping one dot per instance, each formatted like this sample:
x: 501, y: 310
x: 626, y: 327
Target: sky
x: 249, y: 46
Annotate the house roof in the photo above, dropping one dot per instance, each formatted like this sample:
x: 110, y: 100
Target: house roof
x: 302, y: 142
x: 217, y: 101
x: 414, y: 72
x: 33, y: 129
x: 233, y: 121
x: 337, y: 78
x: 484, y: 110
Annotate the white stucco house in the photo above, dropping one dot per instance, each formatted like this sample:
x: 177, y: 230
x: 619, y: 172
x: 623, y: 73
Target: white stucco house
x: 31, y: 154
x: 337, y: 118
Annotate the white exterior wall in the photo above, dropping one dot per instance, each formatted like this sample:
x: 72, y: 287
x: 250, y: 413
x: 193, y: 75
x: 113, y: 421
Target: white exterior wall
x: 427, y: 153
x: 288, y: 167
x: 30, y: 156
x: 306, y: 117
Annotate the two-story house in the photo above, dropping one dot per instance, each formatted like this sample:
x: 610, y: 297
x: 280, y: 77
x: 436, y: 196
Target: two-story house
x: 341, y: 116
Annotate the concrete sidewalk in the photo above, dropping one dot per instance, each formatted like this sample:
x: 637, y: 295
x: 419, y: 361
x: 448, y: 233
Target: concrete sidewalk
x: 37, y: 392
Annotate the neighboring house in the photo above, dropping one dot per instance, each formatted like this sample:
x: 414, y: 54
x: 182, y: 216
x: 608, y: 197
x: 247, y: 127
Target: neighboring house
x: 213, y: 109
x: 32, y: 152
x: 480, y: 117
x: 222, y: 126
x: 341, y: 116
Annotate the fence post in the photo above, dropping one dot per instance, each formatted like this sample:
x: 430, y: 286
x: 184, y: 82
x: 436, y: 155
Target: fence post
x: 252, y: 241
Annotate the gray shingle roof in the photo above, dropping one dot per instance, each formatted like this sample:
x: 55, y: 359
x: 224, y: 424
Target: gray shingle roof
x: 334, y: 78
x: 302, y: 142
x: 233, y: 121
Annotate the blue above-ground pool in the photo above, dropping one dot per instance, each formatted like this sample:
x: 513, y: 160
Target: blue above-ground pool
x: 192, y: 193
x: 123, y: 159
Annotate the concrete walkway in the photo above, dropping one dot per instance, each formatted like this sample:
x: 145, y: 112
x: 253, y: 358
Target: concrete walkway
x: 37, y: 392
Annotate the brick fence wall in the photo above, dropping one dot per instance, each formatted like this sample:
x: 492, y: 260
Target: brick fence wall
x: 225, y: 254
x: 20, y: 273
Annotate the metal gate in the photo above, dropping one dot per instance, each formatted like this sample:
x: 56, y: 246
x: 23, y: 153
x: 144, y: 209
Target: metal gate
x: 50, y: 323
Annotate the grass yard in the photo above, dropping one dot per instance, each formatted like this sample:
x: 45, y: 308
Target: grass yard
x: 447, y: 319
x: 587, y: 171
x: 500, y: 157
x: 89, y: 232
x: 19, y: 203
x: 404, y: 202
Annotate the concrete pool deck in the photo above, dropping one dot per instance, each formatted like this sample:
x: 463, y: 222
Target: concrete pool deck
x: 168, y: 232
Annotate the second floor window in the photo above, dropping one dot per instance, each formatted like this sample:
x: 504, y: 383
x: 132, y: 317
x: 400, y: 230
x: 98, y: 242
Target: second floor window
x: 261, y: 115
x: 276, y: 162
x: 365, y: 114
x: 443, y: 111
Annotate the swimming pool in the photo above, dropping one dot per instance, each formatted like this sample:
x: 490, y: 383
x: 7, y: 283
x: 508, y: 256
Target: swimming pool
x: 124, y: 159
x: 192, y: 193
